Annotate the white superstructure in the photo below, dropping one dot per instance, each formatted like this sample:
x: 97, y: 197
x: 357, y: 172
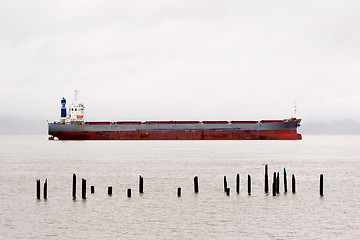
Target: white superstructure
x: 75, y: 112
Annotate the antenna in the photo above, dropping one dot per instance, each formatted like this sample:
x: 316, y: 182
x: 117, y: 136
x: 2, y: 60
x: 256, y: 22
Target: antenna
x: 76, y: 95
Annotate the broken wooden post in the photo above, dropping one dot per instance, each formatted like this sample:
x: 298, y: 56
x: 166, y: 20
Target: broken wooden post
x: 293, y: 183
x: 238, y: 183
x: 179, y: 192
x: 141, y: 184
x: 321, y: 185
x: 266, y: 179
x: 45, y: 189
x: 74, y: 186
x: 228, y: 191
x: 83, y: 188
x: 196, y: 184
x: 109, y: 190
x: 285, y: 181
x: 278, y: 183
x: 38, y: 189
x: 274, y: 184
x: 225, y: 184
x: 129, y: 193
x: 249, y: 184
x: 92, y: 189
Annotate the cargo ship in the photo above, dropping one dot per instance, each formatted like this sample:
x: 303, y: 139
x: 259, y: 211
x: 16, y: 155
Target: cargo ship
x: 73, y: 127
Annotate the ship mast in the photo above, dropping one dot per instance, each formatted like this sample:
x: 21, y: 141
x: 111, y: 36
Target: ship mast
x: 76, y: 96
x: 295, y: 110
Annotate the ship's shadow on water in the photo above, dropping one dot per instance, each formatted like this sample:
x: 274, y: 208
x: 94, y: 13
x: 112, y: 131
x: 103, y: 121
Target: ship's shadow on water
x: 168, y: 165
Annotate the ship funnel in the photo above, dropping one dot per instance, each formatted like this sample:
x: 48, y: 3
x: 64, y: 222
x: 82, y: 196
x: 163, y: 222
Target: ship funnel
x: 63, y: 108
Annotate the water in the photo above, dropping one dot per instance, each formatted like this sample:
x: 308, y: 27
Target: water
x: 167, y: 165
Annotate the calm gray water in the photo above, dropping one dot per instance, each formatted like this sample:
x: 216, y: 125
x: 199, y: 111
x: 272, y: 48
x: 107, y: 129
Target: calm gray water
x: 167, y: 165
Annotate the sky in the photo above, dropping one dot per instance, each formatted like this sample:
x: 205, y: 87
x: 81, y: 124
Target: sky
x: 181, y: 60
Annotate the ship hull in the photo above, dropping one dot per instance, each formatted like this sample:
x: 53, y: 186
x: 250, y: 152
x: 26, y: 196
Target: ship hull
x: 269, y: 130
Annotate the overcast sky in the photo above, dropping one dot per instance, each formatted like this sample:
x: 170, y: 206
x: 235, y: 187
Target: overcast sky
x: 168, y: 60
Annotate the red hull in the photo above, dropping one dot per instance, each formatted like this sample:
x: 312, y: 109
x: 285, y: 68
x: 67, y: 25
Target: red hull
x: 181, y: 135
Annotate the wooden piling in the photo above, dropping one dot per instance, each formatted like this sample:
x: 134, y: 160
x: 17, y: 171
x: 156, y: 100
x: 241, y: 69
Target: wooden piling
x: 238, y: 183
x: 110, y: 190
x: 321, y: 185
x: 285, y: 181
x: 249, y: 184
x: 228, y: 191
x: 274, y: 184
x: 274, y: 188
x: 196, y: 184
x: 278, y: 183
x: 83, y: 188
x: 293, y: 183
x: 225, y: 184
x: 74, y: 186
x: 45, y: 189
x: 92, y: 189
x: 141, y: 184
x: 38, y: 189
x: 179, y: 192
x: 266, y: 179
x: 129, y: 193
